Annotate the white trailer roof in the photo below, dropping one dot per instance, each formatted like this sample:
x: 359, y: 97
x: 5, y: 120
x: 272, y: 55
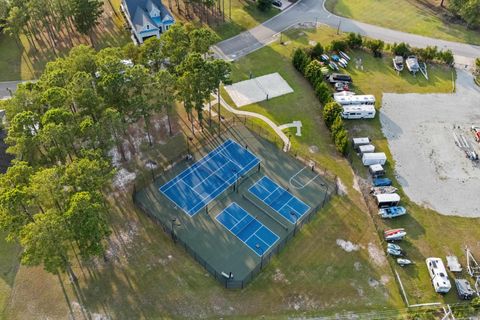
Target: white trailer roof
x: 387, y: 197
x: 376, y: 167
x: 367, y: 148
x: 362, y: 141
x: 354, y: 99
x: 453, y: 264
x: 375, y: 155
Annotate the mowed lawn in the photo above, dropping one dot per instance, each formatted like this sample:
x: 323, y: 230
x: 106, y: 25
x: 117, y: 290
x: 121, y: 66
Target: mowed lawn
x: 411, y: 16
x: 430, y: 234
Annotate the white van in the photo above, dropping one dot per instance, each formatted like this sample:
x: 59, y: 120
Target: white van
x: 358, y: 112
x: 438, y: 274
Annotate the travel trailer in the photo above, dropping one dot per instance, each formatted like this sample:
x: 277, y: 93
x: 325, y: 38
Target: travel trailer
x: 367, y: 99
x: 358, y: 112
x: 374, y: 158
x: 438, y: 274
x: 385, y: 200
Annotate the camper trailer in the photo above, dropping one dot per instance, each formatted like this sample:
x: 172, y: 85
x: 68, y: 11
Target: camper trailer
x: 346, y: 100
x: 358, y: 112
x: 385, y: 200
x: 374, y: 158
x: 376, y: 170
x: 369, y: 148
x: 438, y: 274
x: 357, y: 142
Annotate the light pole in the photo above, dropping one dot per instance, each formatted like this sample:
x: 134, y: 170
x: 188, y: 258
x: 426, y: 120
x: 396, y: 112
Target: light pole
x: 294, y: 214
x: 175, y: 223
x: 261, y: 256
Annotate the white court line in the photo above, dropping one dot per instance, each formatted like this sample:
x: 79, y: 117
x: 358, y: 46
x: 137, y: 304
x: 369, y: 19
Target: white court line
x: 305, y: 184
x: 194, y: 166
x: 261, y: 225
x: 229, y: 185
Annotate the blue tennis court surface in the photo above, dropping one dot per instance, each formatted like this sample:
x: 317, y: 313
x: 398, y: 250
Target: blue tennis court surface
x: 207, y: 178
x: 247, y: 228
x: 279, y: 199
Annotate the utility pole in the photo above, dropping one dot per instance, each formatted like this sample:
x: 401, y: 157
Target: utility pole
x: 339, y: 23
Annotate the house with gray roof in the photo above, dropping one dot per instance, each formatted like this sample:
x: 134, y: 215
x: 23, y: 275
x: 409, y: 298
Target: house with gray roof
x: 147, y: 18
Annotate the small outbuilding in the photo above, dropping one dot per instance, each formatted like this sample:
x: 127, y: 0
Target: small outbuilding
x: 374, y: 158
x: 357, y: 142
x: 385, y: 200
x: 376, y: 170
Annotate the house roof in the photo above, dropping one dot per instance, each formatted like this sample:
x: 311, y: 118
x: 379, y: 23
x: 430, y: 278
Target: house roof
x: 138, y: 11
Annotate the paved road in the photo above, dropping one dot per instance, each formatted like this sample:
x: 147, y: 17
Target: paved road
x: 7, y: 85
x: 312, y: 11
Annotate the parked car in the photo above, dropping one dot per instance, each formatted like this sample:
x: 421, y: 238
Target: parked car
x: 464, y: 289
x: 277, y: 3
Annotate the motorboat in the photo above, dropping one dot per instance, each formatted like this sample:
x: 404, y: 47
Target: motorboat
x: 394, y: 252
x: 412, y: 64
x: 394, y: 246
x: 404, y: 262
x: 325, y: 57
x: 342, y: 64
x: 344, y: 61
x: 344, y: 55
x: 382, y: 182
x: 379, y: 190
x: 335, y: 57
x: 333, y: 66
x: 398, y: 63
x: 341, y: 86
x: 395, y: 234
x: 392, y: 212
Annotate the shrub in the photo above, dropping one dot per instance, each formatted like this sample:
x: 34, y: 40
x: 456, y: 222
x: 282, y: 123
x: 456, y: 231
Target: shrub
x: 475, y: 303
x: 317, y: 51
x: 313, y: 73
x: 323, y: 92
x: 354, y: 40
x: 428, y: 54
x: 401, y: 49
x: 337, y: 126
x: 330, y: 112
x: 376, y: 46
x: 446, y: 57
x: 264, y: 5
x: 477, y: 66
x: 341, y: 141
x: 300, y: 59
x: 338, y: 45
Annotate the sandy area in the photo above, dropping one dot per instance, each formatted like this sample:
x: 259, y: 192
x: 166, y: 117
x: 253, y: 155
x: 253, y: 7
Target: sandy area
x: 432, y: 170
x: 258, y: 89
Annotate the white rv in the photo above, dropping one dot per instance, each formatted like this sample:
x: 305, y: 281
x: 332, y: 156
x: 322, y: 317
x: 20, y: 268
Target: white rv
x: 345, y: 100
x: 358, y: 112
x: 369, y: 148
x: 438, y: 274
x: 374, y: 158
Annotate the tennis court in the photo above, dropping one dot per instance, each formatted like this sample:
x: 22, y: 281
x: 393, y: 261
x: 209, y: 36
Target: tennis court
x: 198, y: 185
x: 279, y: 199
x: 247, y: 228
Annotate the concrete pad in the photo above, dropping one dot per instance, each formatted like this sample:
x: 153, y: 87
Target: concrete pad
x: 258, y: 89
x: 431, y: 168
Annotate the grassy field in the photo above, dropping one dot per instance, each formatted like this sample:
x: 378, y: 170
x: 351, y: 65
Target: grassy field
x: 148, y: 276
x: 431, y: 234
x: 413, y: 16
x: 245, y: 15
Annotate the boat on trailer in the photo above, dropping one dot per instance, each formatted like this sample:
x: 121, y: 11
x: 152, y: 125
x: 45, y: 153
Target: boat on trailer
x: 394, y: 234
x: 344, y: 55
x: 412, y: 64
x: 392, y: 212
x: 398, y: 63
x: 385, y: 189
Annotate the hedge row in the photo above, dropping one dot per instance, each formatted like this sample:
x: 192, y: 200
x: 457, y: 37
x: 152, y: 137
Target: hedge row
x: 306, y: 62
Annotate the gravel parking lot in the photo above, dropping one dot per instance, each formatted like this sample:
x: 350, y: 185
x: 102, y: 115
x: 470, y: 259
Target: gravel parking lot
x: 431, y: 168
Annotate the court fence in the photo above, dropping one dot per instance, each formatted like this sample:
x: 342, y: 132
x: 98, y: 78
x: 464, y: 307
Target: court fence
x: 146, y: 178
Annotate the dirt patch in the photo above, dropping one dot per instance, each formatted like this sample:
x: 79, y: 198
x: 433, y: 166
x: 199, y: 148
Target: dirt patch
x: 342, y: 189
x: 313, y: 149
x: 420, y: 127
x: 280, y: 277
x: 347, y: 245
x: 376, y: 255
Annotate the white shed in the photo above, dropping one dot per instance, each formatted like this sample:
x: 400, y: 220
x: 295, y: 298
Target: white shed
x: 357, y: 142
x: 374, y: 158
x: 369, y: 148
x: 387, y: 199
